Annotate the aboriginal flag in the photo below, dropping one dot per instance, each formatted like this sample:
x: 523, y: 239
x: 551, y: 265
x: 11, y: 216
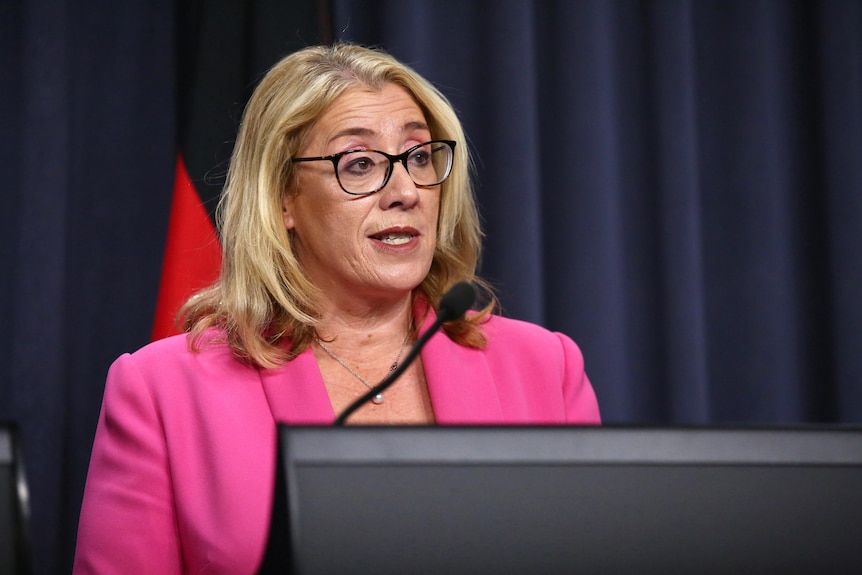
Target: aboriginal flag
x: 224, y: 48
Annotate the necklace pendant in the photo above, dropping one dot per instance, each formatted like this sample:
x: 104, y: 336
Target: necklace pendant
x: 377, y: 399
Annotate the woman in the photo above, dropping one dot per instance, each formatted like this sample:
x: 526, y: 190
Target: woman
x: 347, y: 213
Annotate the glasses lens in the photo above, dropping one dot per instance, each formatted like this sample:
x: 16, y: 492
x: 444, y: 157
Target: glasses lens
x: 362, y: 172
x: 430, y: 163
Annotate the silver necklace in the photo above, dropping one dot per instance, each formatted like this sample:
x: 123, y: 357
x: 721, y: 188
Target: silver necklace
x: 377, y: 399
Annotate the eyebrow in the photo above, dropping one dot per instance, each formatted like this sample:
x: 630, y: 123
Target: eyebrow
x: 409, y: 126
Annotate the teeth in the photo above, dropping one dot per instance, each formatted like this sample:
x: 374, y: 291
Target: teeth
x: 395, y: 239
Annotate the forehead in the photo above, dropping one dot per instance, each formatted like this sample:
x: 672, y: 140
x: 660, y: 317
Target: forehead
x: 365, y: 111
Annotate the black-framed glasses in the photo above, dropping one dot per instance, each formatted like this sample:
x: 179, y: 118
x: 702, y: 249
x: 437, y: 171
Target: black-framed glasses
x: 363, y: 172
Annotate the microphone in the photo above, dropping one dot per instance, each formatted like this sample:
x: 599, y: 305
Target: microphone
x: 453, y: 305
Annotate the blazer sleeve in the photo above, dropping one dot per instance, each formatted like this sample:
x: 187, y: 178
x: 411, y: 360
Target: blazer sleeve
x: 582, y: 406
x: 128, y: 520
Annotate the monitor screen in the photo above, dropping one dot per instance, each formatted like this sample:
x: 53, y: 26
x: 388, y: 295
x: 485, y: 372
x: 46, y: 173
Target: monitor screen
x: 568, y: 500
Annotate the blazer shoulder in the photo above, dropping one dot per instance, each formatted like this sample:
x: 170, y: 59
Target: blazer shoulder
x: 171, y: 363
x: 177, y: 350
x: 529, y: 341
x: 503, y: 327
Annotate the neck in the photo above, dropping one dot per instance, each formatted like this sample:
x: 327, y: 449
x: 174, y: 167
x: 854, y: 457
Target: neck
x: 384, y: 325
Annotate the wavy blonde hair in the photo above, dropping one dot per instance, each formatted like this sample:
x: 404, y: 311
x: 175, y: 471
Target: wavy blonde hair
x: 263, y: 300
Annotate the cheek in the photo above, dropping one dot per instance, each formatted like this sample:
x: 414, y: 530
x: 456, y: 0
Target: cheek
x: 333, y: 230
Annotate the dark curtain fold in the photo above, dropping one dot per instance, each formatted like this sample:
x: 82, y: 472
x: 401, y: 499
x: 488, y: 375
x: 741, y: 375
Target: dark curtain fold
x: 675, y: 184
x: 838, y: 145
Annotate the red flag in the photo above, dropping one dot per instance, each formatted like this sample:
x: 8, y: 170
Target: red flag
x: 192, y: 254
x: 224, y: 48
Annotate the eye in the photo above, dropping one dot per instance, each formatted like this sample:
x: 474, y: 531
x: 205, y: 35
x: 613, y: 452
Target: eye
x: 421, y: 157
x: 357, y: 163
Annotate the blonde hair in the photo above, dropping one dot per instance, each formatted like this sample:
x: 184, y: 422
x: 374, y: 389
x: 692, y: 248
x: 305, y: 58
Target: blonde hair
x: 263, y: 300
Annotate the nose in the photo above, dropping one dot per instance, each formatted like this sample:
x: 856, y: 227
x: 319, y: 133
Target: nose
x: 399, y: 191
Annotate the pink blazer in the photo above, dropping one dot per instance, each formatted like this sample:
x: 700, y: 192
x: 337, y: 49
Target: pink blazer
x: 181, y: 473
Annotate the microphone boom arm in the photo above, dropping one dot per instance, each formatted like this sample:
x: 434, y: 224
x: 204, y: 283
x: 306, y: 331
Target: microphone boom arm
x: 453, y: 305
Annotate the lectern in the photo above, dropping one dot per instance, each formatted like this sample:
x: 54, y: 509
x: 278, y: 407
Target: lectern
x: 486, y: 500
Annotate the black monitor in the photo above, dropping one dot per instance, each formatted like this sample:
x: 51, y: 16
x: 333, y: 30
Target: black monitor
x: 477, y: 500
x: 14, y: 504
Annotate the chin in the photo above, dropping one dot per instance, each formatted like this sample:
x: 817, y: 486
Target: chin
x: 405, y: 283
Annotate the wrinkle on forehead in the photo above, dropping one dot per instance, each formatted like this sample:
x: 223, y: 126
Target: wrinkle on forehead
x: 358, y: 131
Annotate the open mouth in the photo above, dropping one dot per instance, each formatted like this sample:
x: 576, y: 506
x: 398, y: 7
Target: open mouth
x: 394, y: 239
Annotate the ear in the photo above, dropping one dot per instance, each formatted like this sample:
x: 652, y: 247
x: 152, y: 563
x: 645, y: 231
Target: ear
x: 287, y: 212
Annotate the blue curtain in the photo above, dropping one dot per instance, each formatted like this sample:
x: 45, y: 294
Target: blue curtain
x: 86, y: 144
x: 675, y: 184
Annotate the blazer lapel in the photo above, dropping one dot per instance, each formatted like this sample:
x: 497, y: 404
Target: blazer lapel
x: 459, y: 382
x: 296, y: 393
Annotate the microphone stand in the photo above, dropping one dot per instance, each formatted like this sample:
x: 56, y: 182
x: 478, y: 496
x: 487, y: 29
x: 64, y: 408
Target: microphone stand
x: 452, y: 306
